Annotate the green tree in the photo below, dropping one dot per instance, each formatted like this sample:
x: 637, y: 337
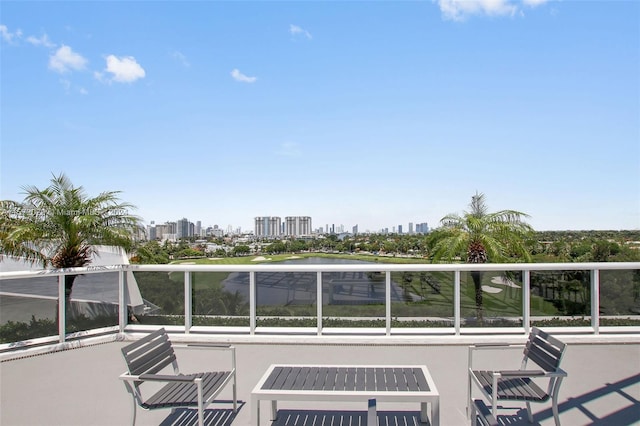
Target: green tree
x: 479, y: 236
x: 60, y: 225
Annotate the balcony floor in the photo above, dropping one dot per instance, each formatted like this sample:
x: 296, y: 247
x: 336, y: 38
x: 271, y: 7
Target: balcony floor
x: 81, y: 386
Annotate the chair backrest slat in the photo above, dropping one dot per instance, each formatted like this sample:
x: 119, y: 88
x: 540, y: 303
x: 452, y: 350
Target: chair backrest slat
x: 150, y: 354
x: 544, y: 350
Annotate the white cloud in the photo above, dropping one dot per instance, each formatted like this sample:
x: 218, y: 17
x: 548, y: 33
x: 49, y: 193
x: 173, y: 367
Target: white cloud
x: 65, y: 60
x: 124, y: 69
x: 534, y: 3
x: 41, y: 41
x: 289, y: 149
x: 459, y: 10
x: 178, y: 56
x: 296, y: 30
x: 238, y: 76
x: 7, y: 35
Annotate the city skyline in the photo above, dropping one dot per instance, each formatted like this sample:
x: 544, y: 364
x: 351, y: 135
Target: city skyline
x: 369, y: 113
x: 291, y: 226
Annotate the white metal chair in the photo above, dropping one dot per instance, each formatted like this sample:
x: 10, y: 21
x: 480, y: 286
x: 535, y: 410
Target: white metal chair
x: 543, y: 350
x: 149, y: 356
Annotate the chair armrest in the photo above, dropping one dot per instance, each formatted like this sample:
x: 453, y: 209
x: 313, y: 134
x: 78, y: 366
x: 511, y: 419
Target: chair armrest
x: 167, y: 378
x: 496, y: 346
x: 219, y: 346
x: 521, y: 373
x: 208, y: 346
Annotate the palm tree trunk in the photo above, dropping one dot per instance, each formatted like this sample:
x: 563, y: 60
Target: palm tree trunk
x: 476, y: 276
x: 68, y: 287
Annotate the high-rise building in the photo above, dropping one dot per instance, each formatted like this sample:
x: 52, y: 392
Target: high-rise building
x: 267, y: 226
x: 198, y: 230
x: 355, y: 230
x: 151, y: 232
x: 399, y: 229
x: 182, y: 230
x: 422, y: 228
x: 297, y: 226
x: 410, y: 228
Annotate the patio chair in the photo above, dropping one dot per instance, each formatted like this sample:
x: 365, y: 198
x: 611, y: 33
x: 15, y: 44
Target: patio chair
x: 543, y: 350
x: 147, y: 361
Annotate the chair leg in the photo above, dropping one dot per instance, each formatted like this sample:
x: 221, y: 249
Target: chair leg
x: 472, y: 410
x: 556, y: 415
x: 235, y: 398
x: 469, y: 401
x: 133, y: 411
x: 529, y: 412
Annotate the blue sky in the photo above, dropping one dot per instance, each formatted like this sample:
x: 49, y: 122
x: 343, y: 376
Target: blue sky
x: 370, y: 113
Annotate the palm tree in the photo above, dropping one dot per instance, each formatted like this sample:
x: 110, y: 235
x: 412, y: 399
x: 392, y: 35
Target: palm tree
x: 59, y: 226
x: 479, y: 236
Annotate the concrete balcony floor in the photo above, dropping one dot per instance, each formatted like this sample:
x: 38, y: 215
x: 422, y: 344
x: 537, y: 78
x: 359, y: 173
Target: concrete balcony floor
x: 81, y: 386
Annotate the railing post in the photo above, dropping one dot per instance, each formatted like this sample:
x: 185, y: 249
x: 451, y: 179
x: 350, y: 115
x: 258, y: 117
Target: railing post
x: 252, y: 302
x: 62, y: 309
x: 595, y: 300
x: 526, y: 300
x: 319, y: 301
x: 188, y: 311
x: 388, y: 302
x: 456, y: 301
x: 122, y: 301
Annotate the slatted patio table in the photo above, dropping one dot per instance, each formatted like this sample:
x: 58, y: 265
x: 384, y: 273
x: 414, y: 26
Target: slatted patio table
x: 357, y: 383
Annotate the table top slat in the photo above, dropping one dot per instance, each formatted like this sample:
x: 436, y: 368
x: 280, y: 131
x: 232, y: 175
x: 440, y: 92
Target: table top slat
x: 341, y: 379
x: 401, y: 380
x: 312, y: 379
x: 390, y: 380
x: 291, y: 378
x: 370, y: 379
x: 422, y: 381
x: 412, y: 383
x: 350, y: 383
x: 302, y: 376
x: 330, y: 383
x: 360, y: 379
x: 270, y: 382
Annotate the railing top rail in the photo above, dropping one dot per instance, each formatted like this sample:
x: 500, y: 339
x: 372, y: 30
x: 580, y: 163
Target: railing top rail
x: 363, y: 267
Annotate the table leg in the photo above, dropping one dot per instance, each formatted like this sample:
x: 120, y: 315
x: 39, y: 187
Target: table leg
x: 435, y: 412
x: 372, y: 414
x: 424, y: 417
x: 255, y: 414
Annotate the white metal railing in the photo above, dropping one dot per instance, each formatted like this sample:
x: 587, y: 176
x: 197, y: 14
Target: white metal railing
x: 457, y: 269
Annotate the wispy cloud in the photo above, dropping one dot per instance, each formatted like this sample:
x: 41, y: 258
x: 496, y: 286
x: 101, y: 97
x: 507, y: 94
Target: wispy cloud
x: 178, y: 56
x: 238, y: 76
x: 295, y: 30
x: 65, y: 60
x: 43, y: 40
x: 460, y: 10
x: 123, y: 69
x: 289, y: 149
x: 7, y: 35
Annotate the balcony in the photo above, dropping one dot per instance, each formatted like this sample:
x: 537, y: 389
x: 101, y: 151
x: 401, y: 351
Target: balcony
x: 367, y: 313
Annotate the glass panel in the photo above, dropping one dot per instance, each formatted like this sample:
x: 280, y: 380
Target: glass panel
x: 93, y: 301
x: 620, y: 297
x: 286, y: 299
x: 28, y: 308
x: 491, y: 299
x: 422, y: 299
x: 560, y: 298
x: 162, y: 296
x: 353, y: 299
x: 220, y: 298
